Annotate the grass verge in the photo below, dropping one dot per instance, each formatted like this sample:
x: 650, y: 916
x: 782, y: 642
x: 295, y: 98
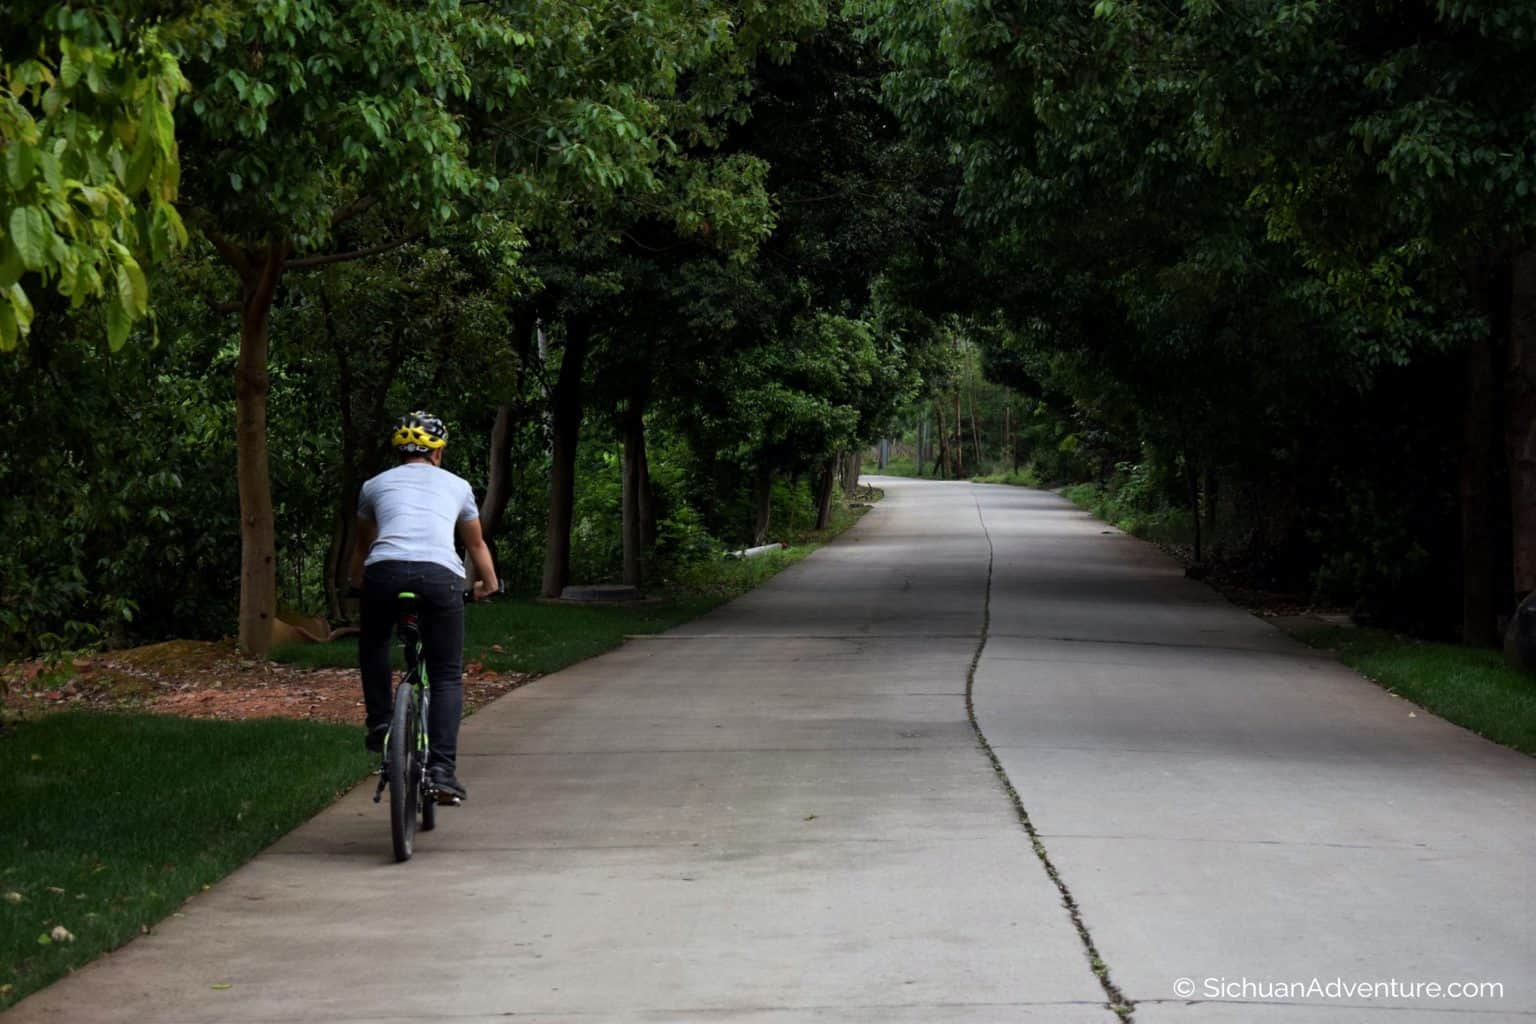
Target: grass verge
x: 1024, y: 476
x: 524, y: 634
x: 113, y: 821
x: 894, y: 466
x: 1127, y: 510
x: 1470, y: 686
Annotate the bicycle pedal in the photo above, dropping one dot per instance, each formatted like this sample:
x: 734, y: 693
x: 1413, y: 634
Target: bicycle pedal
x: 448, y: 800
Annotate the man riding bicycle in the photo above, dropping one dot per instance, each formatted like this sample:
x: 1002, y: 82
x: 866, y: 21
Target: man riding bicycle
x: 407, y: 520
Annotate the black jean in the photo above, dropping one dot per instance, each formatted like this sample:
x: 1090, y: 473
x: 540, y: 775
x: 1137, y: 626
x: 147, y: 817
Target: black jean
x: 440, y: 617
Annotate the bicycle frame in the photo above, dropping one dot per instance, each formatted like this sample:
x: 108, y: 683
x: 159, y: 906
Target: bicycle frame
x: 416, y: 678
x: 415, y: 673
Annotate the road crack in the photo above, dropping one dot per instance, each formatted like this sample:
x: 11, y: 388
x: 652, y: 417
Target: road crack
x: 1115, y: 1000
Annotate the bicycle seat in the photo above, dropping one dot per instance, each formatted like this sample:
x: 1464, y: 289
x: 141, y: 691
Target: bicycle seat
x: 405, y: 607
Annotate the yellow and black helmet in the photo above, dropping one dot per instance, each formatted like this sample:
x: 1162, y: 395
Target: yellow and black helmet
x: 418, y: 433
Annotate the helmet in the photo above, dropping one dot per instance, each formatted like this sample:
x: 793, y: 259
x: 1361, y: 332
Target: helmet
x: 418, y: 433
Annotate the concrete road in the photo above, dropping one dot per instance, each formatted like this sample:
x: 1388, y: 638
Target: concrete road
x: 784, y: 812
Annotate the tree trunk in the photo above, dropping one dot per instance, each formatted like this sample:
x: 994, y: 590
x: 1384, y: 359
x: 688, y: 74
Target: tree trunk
x: 1520, y: 425
x: 1007, y: 442
x: 498, y: 481
x: 647, y: 501
x: 1017, y: 440
x: 850, y: 467
x: 824, y: 485
x: 763, y: 493
x: 343, y: 524
x: 565, y: 428
x: 980, y: 459
x: 941, y: 460
x: 633, y: 530
x: 958, y: 449
x: 498, y: 484
x: 258, y: 543
x: 1477, y: 600
x: 338, y: 557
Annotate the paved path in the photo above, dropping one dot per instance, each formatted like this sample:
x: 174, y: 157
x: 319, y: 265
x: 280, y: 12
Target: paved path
x: 782, y: 812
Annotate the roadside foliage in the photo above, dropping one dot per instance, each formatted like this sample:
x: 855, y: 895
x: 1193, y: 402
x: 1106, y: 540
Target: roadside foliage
x: 1262, y: 275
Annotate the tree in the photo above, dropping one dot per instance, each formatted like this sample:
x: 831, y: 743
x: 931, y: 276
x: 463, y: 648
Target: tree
x: 326, y: 133
x: 90, y: 162
x: 694, y: 200
x: 1184, y: 192
x: 1397, y: 157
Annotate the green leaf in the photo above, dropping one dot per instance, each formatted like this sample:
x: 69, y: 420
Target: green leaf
x: 9, y: 334
x: 118, y: 325
x: 69, y: 70
x: 132, y: 289
x: 10, y: 263
x: 139, y: 164
x: 20, y: 159
x: 22, y: 305
x: 30, y: 234
x: 162, y: 126
x: 53, y: 172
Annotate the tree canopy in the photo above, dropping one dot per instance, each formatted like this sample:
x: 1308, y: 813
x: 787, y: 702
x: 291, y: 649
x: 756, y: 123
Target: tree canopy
x: 668, y: 267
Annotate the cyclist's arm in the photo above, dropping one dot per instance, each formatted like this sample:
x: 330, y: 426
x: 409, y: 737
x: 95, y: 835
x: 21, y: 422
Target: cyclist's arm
x: 479, y: 557
x: 367, y: 533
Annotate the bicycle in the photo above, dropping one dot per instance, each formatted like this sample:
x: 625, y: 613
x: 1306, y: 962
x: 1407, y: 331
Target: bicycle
x: 404, y: 767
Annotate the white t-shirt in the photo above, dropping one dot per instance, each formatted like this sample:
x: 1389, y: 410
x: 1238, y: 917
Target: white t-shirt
x: 417, y: 507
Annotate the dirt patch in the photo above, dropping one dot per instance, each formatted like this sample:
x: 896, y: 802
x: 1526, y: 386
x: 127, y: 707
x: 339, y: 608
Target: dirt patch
x: 195, y: 679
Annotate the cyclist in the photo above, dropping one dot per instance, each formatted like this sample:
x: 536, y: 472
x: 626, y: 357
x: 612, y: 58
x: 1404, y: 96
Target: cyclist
x: 407, y: 520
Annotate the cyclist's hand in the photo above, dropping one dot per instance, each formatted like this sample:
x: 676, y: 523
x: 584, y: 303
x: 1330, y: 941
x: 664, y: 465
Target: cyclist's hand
x: 485, y: 588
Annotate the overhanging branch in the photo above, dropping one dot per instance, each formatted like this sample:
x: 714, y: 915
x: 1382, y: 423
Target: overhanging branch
x: 305, y: 262
x: 353, y: 209
x: 233, y: 255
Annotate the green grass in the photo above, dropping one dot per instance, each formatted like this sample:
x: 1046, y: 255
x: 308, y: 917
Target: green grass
x: 531, y: 636
x: 1021, y: 477
x: 524, y: 634
x: 1470, y: 686
x: 1126, y: 510
x: 112, y: 821
x: 894, y: 466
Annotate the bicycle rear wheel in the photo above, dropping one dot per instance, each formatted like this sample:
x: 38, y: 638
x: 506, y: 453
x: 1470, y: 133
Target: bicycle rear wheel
x: 404, y: 771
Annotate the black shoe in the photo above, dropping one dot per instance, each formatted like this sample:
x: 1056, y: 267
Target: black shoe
x: 373, y: 739
x: 449, y: 789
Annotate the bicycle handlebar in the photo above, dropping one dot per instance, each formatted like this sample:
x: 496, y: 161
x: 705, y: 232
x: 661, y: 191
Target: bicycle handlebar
x: 356, y: 593
x: 501, y: 589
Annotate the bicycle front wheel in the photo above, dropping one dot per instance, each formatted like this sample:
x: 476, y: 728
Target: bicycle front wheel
x: 404, y: 771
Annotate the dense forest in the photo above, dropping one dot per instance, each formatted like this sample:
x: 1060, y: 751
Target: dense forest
x: 669, y: 267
